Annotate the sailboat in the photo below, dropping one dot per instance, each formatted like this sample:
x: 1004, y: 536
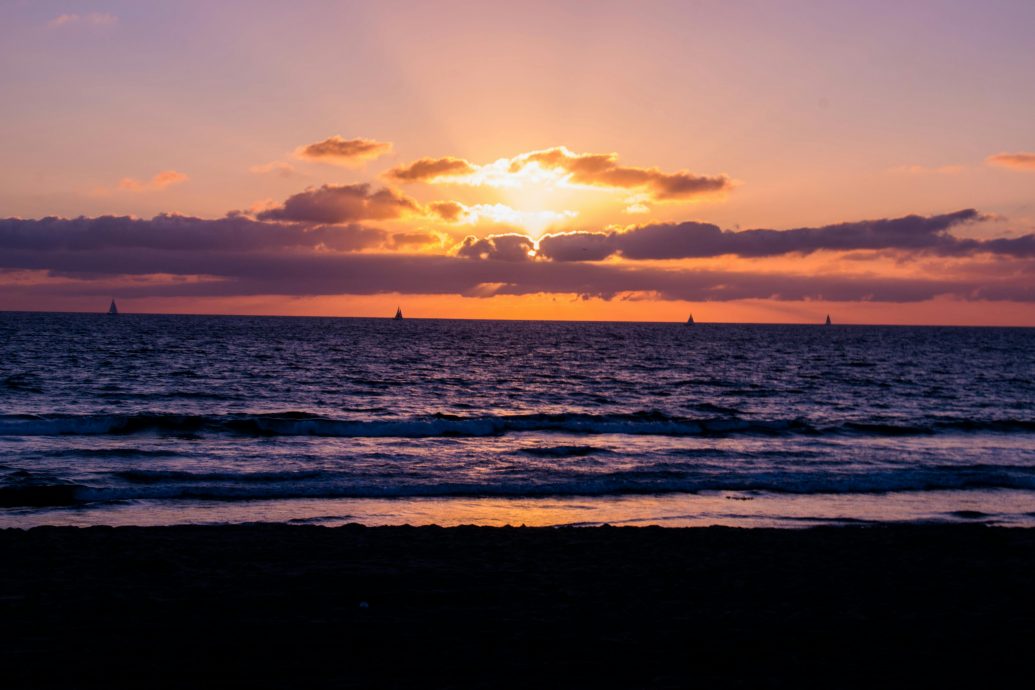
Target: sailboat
x: 398, y: 313
x: 690, y: 321
x: 113, y: 310
x: 828, y: 320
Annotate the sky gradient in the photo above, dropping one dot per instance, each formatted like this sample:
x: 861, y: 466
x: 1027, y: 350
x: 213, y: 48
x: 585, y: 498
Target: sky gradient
x: 744, y: 161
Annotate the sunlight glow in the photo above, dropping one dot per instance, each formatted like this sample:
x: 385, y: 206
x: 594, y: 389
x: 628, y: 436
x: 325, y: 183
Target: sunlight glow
x: 532, y: 221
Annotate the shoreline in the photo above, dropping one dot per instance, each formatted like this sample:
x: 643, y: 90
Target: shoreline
x: 306, y: 606
x: 998, y: 507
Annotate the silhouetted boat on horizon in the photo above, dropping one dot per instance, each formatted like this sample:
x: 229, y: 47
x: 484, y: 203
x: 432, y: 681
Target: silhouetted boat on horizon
x: 113, y: 310
x: 690, y: 321
x: 398, y: 313
x: 828, y: 320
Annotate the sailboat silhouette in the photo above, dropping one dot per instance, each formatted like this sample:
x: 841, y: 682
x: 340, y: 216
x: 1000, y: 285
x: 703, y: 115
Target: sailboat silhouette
x: 398, y: 313
x: 113, y: 310
x: 828, y: 320
x: 690, y: 321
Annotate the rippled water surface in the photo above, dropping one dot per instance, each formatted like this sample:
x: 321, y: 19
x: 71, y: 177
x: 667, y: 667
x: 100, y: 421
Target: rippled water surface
x: 148, y: 419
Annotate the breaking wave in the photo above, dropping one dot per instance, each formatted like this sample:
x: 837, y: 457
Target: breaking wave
x: 637, y: 423
x: 232, y: 486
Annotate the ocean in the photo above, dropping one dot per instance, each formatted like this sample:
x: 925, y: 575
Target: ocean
x: 161, y: 419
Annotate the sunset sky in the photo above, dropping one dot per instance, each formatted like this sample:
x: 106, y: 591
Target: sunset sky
x: 743, y: 161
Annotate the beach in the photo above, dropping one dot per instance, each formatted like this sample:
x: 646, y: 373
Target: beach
x: 302, y: 606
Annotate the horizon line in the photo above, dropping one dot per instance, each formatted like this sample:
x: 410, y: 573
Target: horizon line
x: 462, y: 318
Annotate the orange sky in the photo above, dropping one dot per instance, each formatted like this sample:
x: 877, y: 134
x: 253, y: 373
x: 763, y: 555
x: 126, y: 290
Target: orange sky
x: 740, y: 161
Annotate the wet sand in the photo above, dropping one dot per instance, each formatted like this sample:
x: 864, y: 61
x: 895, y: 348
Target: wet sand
x: 303, y: 607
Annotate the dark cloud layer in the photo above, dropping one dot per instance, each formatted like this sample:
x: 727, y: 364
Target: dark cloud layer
x: 269, y: 273
x: 241, y: 256
x: 178, y: 234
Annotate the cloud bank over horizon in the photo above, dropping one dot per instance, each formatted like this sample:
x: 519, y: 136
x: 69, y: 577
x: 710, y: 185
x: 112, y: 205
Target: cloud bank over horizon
x: 301, y: 249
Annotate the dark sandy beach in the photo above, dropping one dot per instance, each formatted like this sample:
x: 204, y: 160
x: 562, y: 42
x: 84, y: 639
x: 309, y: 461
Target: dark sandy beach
x: 291, y: 606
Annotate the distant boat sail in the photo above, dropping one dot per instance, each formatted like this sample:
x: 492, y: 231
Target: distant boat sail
x: 398, y: 313
x: 113, y: 310
x: 828, y: 320
x: 690, y: 321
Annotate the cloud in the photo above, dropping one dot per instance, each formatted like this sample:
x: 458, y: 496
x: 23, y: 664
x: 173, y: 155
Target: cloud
x: 162, y: 180
x: 577, y: 246
x: 505, y: 215
x: 175, y: 233
x: 239, y: 256
x: 451, y: 211
x: 411, y: 240
x: 431, y: 170
x: 280, y: 168
x: 93, y: 19
x: 497, y: 214
x: 511, y: 247
x: 314, y: 224
x: 337, y: 150
x: 323, y: 273
x: 1015, y: 161
x: 701, y: 240
x: 563, y: 167
x: 350, y: 203
x: 342, y: 204
x: 602, y: 170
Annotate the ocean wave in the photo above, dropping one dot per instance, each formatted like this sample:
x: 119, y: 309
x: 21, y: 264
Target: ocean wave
x: 563, y: 451
x: 39, y: 495
x: 231, y: 486
x: 304, y: 424
x: 636, y: 423
x: 117, y: 452
x: 22, y: 382
x: 160, y: 476
x: 22, y: 488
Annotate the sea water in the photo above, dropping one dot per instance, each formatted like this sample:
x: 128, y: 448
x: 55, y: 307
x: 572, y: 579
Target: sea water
x: 154, y: 419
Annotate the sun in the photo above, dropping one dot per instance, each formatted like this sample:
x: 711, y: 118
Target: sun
x: 539, y: 199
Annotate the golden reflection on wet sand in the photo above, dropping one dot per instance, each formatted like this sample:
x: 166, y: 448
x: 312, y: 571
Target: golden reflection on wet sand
x: 740, y: 509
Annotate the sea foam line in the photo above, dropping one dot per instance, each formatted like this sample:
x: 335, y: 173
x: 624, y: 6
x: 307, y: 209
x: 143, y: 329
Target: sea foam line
x: 636, y: 423
x: 142, y: 485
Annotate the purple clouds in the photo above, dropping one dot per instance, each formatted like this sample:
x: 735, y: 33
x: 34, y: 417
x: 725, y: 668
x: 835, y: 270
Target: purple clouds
x: 237, y: 255
x: 700, y: 240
